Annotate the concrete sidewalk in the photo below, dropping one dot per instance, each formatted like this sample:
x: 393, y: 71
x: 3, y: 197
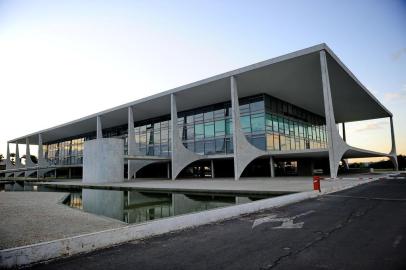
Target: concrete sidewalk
x: 33, y: 217
x: 276, y: 186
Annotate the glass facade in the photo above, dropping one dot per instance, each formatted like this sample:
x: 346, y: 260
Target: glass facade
x: 69, y: 152
x: 268, y: 123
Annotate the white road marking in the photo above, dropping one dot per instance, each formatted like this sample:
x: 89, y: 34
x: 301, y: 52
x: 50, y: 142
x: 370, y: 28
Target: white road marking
x: 287, y: 222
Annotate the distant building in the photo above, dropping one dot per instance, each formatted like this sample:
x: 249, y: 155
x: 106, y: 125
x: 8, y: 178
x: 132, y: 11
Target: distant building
x: 276, y: 117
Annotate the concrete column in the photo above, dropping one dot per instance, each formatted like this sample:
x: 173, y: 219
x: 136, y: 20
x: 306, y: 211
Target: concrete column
x: 168, y: 171
x: 28, y: 161
x: 345, y: 161
x: 40, y: 150
x: 131, y: 143
x: 9, y: 165
x: 41, y: 158
x: 272, y: 167
x: 8, y: 158
x: 337, y: 147
x: 99, y: 128
x: 392, y: 133
x: 344, y: 136
x: 27, y: 149
x: 18, y: 161
x: 212, y: 168
x: 393, y: 156
x: 244, y: 151
x: 181, y: 156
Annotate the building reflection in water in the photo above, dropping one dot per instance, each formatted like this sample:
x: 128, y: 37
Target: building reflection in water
x: 138, y: 207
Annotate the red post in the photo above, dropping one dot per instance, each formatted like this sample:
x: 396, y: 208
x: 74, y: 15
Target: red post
x: 316, y: 183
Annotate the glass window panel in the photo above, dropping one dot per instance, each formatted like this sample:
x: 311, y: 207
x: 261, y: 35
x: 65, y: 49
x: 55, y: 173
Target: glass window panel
x: 275, y: 124
x: 269, y: 142
x: 220, y: 146
x: 189, y: 119
x: 244, y: 109
x: 208, y: 116
x: 199, y: 147
x: 245, y: 123
x: 220, y: 128
x: 259, y: 142
x: 229, y: 129
x: 268, y: 121
x: 257, y: 106
x: 219, y: 113
x: 209, y: 147
x: 190, y: 132
x: 257, y: 122
x: 229, y: 146
x: 292, y: 143
x: 209, y: 130
x: 282, y: 140
x: 276, y: 141
x: 199, y: 131
x: 198, y: 117
x: 281, y: 125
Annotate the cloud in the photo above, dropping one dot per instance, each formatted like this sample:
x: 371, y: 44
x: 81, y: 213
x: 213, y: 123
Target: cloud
x: 372, y: 126
x: 397, y: 95
x: 398, y: 54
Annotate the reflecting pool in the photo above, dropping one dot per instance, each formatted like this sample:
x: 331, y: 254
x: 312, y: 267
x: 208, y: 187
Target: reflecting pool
x: 133, y: 206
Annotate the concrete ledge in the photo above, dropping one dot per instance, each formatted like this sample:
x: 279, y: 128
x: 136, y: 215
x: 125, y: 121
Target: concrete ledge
x: 30, y: 254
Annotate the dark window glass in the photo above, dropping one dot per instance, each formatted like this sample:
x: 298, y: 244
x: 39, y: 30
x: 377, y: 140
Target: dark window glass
x: 220, y: 146
x: 229, y: 146
x: 259, y: 142
x: 220, y: 128
x: 208, y: 116
x: 245, y: 123
x: 257, y: 122
x: 209, y: 130
x: 199, y: 131
x: 209, y: 147
x: 257, y: 106
x: 199, y: 147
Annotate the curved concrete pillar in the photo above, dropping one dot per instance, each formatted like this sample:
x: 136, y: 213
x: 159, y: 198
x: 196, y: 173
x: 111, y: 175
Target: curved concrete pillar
x: 244, y: 151
x: 9, y: 165
x: 133, y: 166
x: 336, y: 146
x: 28, y: 160
x: 181, y: 156
x: 42, y: 162
x: 392, y: 155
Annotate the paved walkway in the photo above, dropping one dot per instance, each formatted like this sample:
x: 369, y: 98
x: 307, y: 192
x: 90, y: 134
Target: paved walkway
x: 360, y: 228
x: 279, y: 185
x: 32, y: 217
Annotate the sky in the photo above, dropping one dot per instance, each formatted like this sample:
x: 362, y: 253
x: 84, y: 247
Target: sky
x: 62, y: 60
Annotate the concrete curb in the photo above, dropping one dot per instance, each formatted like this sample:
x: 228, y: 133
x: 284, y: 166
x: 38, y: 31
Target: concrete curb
x: 30, y: 254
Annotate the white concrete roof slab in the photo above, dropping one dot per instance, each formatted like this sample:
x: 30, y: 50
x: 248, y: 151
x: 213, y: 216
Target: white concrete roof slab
x: 294, y: 77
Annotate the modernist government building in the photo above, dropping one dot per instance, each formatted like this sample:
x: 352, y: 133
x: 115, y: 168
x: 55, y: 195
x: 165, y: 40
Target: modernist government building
x: 274, y: 118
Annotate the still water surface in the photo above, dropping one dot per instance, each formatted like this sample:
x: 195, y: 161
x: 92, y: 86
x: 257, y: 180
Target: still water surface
x: 133, y: 206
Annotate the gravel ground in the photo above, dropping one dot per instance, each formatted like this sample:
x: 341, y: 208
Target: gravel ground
x: 33, y: 217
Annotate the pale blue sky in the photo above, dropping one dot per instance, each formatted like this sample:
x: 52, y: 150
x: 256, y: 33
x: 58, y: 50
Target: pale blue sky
x: 57, y: 53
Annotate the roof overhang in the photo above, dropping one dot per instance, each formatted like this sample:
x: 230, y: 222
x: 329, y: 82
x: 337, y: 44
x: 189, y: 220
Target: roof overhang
x: 294, y: 78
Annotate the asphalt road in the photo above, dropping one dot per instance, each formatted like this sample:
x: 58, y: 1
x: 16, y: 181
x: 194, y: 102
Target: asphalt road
x: 360, y: 228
